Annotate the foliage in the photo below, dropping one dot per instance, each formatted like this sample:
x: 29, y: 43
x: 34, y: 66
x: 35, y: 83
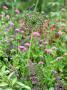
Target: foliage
x: 33, y: 45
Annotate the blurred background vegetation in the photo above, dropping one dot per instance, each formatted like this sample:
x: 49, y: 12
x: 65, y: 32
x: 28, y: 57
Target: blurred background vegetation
x: 37, y: 5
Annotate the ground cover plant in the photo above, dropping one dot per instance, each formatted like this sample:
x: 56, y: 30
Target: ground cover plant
x: 33, y: 49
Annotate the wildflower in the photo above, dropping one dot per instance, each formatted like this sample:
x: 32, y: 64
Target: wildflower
x: 58, y: 34
x: 41, y: 62
x: 40, y: 42
x: 7, y: 16
x: 27, y: 44
x: 45, y: 42
x: 21, y: 31
x: 65, y: 54
x: 63, y: 9
x: 17, y: 30
x: 53, y: 48
x: 23, y: 48
x: 17, y: 11
x: 59, y: 58
x: 36, y: 34
x: 53, y: 27
x: 11, y: 23
x: 54, y: 71
x: 46, y: 24
x: 5, y: 7
x: 21, y: 22
x: 1, y: 15
x: 62, y: 27
x: 57, y: 20
x: 49, y: 51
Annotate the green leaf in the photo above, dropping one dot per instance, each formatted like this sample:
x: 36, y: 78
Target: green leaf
x: 8, y: 89
x: 11, y: 74
x: 3, y: 84
x: 51, y: 88
x: 14, y: 81
x: 23, y: 85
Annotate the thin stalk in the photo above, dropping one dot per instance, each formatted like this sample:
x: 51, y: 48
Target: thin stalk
x: 29, y: 49
x: 36, y: 5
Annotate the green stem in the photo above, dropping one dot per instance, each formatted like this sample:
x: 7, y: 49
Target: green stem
x: 36, y: 5
x: 29, y: 49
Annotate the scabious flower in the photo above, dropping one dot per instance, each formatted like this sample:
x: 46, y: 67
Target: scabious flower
x: 45, y: 42
x: 1, y: 15
x: 45, y: 23
x: 53, y: 27
x: 27, y: 44
x: 21, y: 22
x: 62, y: 26
x: 36, y: 34
x: 5, y: 7
x: 65, y: 54
x: 17, y: 11
x: 11, y: 23
x: 59, y: 58
x: 48, y: 51
x: 22, y: 48
x: 41, y: 62
x: 63, y: 9
x: 58, y: 34
x: 19, y: 30
x: 7, y: 16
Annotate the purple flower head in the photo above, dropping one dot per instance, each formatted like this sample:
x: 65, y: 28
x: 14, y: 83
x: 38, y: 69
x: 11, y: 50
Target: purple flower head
x: 17, y: 30
x: 41, y: 62
x: 23, y: 48
x: 11, y: 23
x: 36, y: 34
x: 45, y: 42
x: 17, y: 11
x: 27, y: 44
x: 49, y: 51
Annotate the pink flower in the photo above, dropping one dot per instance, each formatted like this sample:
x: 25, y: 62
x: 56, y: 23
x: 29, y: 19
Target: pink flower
x: 59, y: 33
x: 27, y: 44
x: 11, y: 23
x: 53, y: 27
x: 17, y: 30
x: 36, y: 34
x: 22, y: 31
x: 23, y: 48
x: 17, y: 11
x: 49, y: 51
x: 5, y: 7
x: 41, y: 62
x: 45, y: 42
